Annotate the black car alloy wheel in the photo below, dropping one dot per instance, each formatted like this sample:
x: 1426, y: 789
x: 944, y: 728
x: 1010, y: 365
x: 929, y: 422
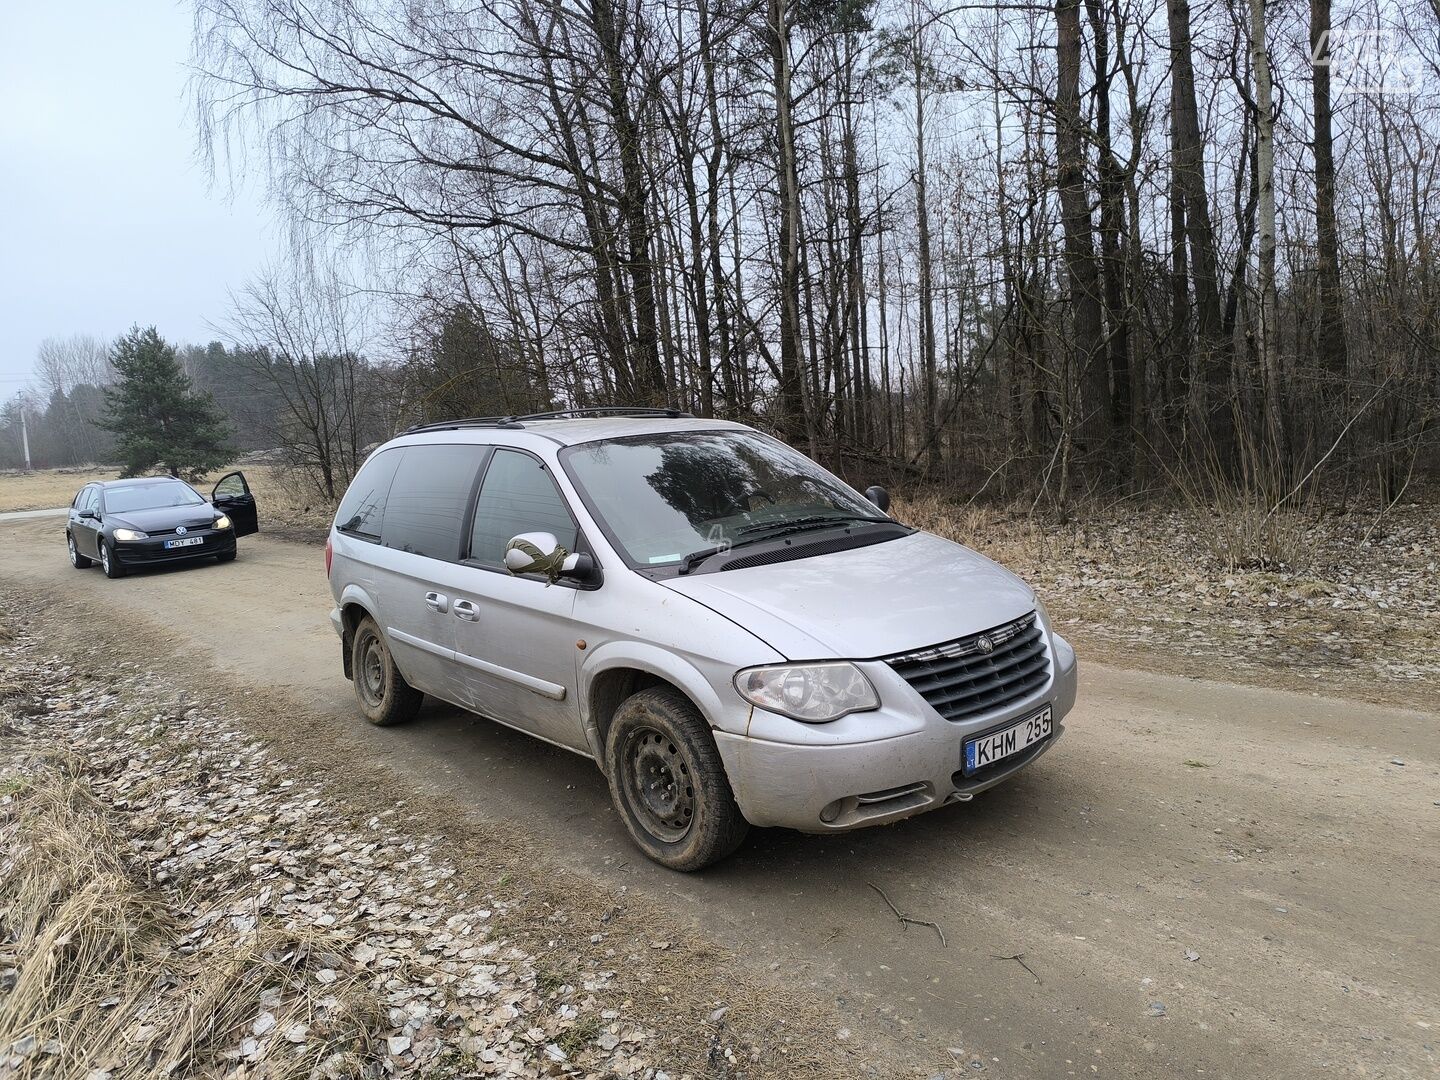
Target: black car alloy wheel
x: 80, y: 562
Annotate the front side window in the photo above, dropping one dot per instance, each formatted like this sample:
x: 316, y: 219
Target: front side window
x: 363, y: 507
x: 425, y: 511
x: 151, y: 496
x: 662, y: 497
x: 517, y: 496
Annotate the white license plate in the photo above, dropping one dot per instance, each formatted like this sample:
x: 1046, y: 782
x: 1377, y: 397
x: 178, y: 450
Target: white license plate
x: 991, y: 748
x: 189, y: 541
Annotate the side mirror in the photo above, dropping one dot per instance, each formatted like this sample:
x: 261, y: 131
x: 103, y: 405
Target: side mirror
x: 87, y: 513
x: 541, y: 553
x: 879, y: 496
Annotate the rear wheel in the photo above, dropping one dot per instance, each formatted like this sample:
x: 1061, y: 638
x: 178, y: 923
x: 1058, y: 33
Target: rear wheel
x: 108, y: 562
x: 668, y: 783
x: 80, y: 562
x: 384, y: 696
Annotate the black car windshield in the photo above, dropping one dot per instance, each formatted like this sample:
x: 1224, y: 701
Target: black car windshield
x: 662, y: 497
x: 156, y: 496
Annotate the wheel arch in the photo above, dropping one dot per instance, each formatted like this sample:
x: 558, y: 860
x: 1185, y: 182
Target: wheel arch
x: 355, y: 604
x: 617, y: 671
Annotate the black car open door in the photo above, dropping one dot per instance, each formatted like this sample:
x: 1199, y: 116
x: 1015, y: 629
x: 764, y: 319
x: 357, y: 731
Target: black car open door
x: 232, y: 497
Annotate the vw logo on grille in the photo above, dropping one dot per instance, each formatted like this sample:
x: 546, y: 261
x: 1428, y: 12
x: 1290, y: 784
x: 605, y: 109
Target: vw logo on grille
x: 984, y: 644
x: 180, y: 531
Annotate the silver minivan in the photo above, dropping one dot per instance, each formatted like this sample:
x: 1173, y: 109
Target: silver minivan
x: 733, y: 634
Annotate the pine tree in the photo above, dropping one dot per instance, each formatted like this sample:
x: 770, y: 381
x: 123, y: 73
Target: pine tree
x: 156, y: 418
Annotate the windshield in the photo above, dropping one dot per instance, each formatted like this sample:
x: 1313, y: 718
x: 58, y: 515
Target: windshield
x: 662, y: 497
x: 154, y: 496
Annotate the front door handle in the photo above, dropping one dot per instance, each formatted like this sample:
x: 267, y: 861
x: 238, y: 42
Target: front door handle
x: 466, y: 609
x: 437, y: 602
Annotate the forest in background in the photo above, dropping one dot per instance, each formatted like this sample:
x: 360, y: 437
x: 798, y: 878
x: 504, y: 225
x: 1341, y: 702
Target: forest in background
x: 1039, y: 251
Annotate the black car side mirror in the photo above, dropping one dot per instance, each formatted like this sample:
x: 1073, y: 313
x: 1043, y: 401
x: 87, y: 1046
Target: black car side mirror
x: 87, y: 513
x: 879, y: 496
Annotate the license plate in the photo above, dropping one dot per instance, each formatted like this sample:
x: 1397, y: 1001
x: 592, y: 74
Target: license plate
x: 189, y: 541
x: 991, y: 748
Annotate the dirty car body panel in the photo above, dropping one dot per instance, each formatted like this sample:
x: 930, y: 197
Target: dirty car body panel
x: 953, y: 646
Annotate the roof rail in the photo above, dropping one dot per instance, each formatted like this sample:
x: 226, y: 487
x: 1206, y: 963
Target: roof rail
x: 469, y: 421
x: 605, y: 410
x: 518, y: 420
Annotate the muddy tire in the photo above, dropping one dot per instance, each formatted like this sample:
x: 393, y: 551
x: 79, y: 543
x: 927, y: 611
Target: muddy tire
x: 108, y: 562
x: 668, y: 783
x: 381, y: 691
x: 80, y: 562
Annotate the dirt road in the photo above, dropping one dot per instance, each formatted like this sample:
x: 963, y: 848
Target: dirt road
x: 1201, y: 880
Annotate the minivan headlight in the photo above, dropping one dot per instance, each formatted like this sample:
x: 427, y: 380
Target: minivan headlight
x: 131, y: 534
x: 813, y: 693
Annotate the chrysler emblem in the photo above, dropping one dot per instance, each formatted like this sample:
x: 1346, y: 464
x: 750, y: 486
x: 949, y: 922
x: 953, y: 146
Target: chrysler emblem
x: 984, y: 644
x: 180, y: 531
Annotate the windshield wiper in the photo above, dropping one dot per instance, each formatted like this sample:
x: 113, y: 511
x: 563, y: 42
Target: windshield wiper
x: 815, y: 521
x: 779, y: 528
x: 695, y: 558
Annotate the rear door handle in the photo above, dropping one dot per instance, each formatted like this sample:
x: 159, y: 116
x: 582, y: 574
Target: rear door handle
x: 465, y: 609
x: 437, y: 602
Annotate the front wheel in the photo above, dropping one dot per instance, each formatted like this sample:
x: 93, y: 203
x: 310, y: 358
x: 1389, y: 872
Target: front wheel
x: 108, y: 562
x: 80, y: 562
x: 668, y: 783
x: 226, y: 556
x: 384, y: 696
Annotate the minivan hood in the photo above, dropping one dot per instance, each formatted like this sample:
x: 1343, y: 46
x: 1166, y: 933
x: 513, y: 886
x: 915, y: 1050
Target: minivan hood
x: 163, y: 518
x: 867, y: 602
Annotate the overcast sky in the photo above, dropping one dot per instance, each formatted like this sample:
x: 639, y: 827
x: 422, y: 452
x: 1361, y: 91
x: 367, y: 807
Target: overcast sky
x: 108, y: 220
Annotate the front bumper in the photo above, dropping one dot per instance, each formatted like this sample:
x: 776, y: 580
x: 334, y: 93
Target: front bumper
x: 838, y: 786
x: 152, y: 552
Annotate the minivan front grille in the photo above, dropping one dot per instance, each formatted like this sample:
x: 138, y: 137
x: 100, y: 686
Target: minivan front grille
x: 964, y: 678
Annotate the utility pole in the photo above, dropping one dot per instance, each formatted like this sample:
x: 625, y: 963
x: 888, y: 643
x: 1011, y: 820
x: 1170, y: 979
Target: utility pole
x: 24, y: 435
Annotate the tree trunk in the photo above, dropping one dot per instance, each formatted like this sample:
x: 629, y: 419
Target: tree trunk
x: 633, y: 207
x: 792, y: 406
x: 1112, y: 260
x: 1330, y: 343
x: 1269, y: 336
x: 1209, y: 371
x: 930, y: 391
x: 1080, y: 267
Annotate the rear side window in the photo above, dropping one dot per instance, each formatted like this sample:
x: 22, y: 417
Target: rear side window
x: 425, y: 513
x: 517, y: 496
x: 363, y: 507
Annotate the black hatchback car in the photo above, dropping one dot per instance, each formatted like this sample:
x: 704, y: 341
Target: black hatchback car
x: 146, y: 521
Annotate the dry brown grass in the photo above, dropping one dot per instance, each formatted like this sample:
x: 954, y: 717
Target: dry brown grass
x: 101, y: 984
x: 44, y: 489
x: 284, y: 501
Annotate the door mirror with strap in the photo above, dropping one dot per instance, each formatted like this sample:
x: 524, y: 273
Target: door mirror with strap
x: 540, y: 553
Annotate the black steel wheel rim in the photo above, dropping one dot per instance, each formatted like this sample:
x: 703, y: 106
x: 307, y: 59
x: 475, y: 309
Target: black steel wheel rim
x: 370, y: 679
x: 658, y: 784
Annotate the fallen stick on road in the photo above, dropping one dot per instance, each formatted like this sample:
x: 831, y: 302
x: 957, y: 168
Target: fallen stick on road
x: 1019, y: 958
x: 905, y: 920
